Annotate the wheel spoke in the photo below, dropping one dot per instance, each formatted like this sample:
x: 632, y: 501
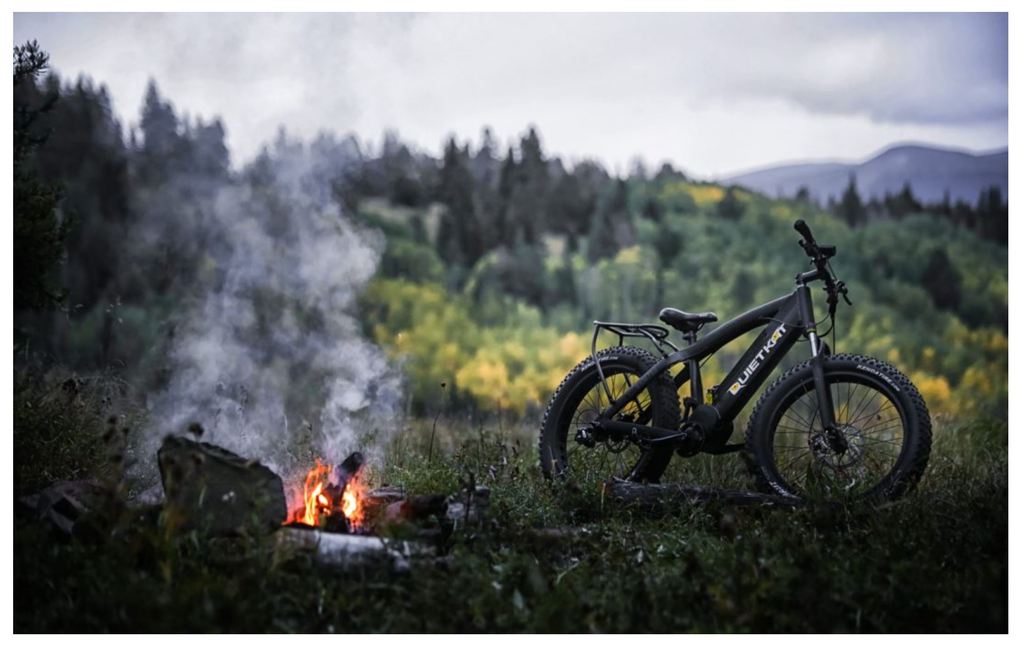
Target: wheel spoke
x: 869, y: 420
x: 878, y: 410
x: 865, y: 401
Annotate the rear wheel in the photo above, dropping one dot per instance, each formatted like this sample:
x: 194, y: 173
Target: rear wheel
x: 878, y: 450
x: 581, y: 397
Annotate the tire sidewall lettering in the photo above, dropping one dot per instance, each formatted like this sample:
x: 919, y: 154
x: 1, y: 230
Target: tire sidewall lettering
x: 881, y: 374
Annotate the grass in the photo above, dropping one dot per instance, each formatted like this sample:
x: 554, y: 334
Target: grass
x: 553, y: 558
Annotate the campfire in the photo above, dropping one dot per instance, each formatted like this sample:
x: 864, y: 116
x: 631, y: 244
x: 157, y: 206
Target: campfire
x: 332, y: 513
x: 332, y: 497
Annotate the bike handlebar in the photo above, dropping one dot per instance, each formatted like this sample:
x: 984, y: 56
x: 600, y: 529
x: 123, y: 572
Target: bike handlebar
x: 820, y: 255
x: 805, y: 231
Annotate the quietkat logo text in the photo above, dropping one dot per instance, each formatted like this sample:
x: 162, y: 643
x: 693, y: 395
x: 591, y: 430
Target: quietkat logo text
x: 758, y: 359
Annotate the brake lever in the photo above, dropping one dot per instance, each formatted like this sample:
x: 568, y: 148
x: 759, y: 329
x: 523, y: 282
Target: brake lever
x: 842, y: 290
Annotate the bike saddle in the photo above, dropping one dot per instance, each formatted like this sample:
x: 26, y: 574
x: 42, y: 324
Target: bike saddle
x: 685, y: 322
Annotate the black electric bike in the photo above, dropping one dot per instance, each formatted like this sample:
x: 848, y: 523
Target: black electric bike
x: 835, y: 426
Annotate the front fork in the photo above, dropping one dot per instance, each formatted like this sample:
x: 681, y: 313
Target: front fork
x: 826, y: 408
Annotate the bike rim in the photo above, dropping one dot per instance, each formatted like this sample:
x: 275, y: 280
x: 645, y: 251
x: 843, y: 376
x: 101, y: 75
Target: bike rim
x: 615, y: 457
x: 859, y: 459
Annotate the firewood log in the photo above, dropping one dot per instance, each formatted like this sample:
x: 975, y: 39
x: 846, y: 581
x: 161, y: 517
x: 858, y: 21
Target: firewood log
x: 343, y: 551
x: 658, y: 496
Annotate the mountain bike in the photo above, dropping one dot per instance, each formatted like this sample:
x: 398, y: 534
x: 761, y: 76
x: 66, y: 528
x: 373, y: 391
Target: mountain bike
x: 835, y: 425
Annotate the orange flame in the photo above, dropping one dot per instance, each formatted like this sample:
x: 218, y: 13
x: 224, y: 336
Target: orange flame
x: 317, y: 505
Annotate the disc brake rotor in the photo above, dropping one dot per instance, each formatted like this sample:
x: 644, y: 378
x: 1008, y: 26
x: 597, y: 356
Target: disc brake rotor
x: 849, y: 457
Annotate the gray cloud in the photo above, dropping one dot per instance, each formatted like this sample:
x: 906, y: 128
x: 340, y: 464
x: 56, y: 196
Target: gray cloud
x: 912, y: 68
x: 713, y: 92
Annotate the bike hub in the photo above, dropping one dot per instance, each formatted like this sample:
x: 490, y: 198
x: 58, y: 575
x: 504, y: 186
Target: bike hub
x: 585, y: 436
x: 839, y: 447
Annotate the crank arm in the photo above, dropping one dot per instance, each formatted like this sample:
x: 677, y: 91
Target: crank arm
x: 647, y: 433
x: 724, y: 449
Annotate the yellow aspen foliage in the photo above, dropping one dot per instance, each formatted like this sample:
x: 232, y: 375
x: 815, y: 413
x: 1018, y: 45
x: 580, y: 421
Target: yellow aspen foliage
x: 977, y: 380
x: 935, y: 390
x: 485, y: 378
x: 706, y: 194
x: 928, y: 358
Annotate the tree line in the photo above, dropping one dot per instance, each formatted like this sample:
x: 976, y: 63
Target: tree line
x: 494, y: 257
x: 988, y: 217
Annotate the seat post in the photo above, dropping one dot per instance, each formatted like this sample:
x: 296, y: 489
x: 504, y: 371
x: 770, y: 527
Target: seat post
x: 689, y: 336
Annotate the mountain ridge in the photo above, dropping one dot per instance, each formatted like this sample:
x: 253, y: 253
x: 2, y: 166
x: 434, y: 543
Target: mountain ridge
x: 930, y: 170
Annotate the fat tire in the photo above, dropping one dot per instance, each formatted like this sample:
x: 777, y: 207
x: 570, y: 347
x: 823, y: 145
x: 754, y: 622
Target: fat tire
x: 913, y: 458
x: 583, y: 377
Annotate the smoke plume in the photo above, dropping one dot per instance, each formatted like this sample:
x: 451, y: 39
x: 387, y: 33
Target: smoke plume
x: 268, y: 357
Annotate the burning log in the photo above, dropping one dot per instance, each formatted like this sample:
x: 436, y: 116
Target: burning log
x: 389, y: 507
x: 216, y: 491
x: 331, y: 497
x: 334, y: 499
x: 346, y: 550
x: 348, y: 470
x: 674, y: 496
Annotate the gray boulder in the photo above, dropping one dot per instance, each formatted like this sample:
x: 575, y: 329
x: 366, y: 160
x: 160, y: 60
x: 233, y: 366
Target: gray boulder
x: 213, y: 490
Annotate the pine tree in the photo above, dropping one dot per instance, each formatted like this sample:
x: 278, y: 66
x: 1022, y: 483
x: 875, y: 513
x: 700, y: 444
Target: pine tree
x: 210, y: 156
x: 39, y: 231
x: 159, y: 154
x: 569, y: 209
x: 506, y: 194
x: 942, y: 281
x: 730, y: 206
x: 89, y: 156
x: 992, y: 215
x: 902, y: 203
x: 850, y: 207
x: 398, y: 175
x: 463, y: 242
x: 485, y: 168
x: 611, y: 227
x: 528, y: 215
x: 667, y: 245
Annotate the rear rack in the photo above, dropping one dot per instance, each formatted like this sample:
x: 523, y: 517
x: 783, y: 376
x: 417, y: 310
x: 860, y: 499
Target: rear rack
x: 656, y: 334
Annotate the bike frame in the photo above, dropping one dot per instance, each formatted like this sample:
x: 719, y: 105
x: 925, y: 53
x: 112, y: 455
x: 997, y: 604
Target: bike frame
x: 785, y: 320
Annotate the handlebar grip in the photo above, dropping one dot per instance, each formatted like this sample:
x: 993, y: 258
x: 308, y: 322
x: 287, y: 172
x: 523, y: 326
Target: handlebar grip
x: 804, y: 230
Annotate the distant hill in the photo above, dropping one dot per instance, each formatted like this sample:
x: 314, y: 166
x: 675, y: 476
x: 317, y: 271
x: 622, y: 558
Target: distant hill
x: 930, y: 171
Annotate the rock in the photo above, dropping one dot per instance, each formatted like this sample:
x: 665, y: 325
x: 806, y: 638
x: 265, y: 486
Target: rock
x: 68, y: 504
x: 415, y: 508
x: 469, y: 507
x: 383, y: 496
x: 377, y: 502
x: 152, y: 496
x: 216, y: 491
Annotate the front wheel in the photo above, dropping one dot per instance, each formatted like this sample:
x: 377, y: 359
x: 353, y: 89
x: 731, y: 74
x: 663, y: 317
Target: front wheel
x: 878, y: 449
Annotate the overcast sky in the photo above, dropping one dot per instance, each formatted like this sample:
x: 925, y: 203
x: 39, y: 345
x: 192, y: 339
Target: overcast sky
x: 713, y: 93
